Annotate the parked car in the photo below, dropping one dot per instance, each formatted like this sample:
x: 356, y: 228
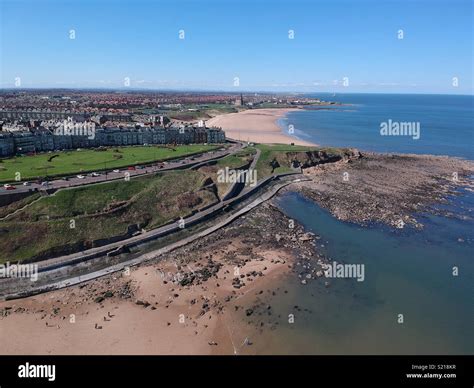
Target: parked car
x: 26, y: 183
x: 116, y: 171
x: 81, y: 176
x: 131, y: 168
x: 95, y: 174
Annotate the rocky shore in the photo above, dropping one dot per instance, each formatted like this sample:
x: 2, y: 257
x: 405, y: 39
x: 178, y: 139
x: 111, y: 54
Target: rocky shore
x: 387, y: 188
x: 218, y: 294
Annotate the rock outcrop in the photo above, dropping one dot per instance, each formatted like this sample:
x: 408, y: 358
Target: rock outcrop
x: 315, y: 158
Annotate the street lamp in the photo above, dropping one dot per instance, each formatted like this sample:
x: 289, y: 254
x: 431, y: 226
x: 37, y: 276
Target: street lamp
x: 105, y: 163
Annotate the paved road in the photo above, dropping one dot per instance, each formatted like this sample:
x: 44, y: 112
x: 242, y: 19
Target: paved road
x: 150, y: 235
x: 153, y: 234
x: 66, y: 261
x: 74, y: 181
x: 239, y: 185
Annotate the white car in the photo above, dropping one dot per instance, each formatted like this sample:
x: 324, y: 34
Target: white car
x: 6, y: 186
x: 94, y: 174
x: 116, y: 170
x: 26, y: 183
x: 81, y: 176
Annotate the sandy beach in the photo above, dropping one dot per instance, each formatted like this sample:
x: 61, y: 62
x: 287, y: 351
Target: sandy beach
x: 212, y: 297
x: 161, y: 317
x: 256, y: 125
x: 229, y: 292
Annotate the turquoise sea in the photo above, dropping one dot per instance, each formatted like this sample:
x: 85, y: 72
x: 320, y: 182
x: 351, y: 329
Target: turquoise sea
x: 407, y: 271
x: 446, y: 123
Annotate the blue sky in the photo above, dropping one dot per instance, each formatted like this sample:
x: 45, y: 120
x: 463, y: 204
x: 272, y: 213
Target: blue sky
x: 139, y: 40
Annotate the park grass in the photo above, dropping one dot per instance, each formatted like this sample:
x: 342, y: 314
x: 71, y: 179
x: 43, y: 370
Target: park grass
x: 188, y: 115
x: 281, y: 153
x: 238, y: 159
x: 83, y: 161
x: 83, y: 200
x: 10, y: 208
x: 105, y: 210
x: 234, y: 161
x: 277, y: 151
x: 101, y: 211
x: 200, y: 111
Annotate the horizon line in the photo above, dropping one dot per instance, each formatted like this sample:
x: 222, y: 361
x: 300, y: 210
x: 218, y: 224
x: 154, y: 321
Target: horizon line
x: 172, y: 90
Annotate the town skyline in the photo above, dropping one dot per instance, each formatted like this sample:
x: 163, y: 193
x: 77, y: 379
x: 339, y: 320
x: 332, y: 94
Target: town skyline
x: 212, y: 91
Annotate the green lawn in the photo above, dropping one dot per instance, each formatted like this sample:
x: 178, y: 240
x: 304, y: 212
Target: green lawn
x: 106, y: 209
x: 100, y: 211
x: 284, y: 154
x: 72, y: 162
x: 278, y: 152
x: 235, y: 161
x: 238, y: 159
x: 200, y: 111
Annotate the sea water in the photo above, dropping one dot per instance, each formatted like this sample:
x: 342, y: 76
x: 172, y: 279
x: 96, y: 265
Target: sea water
x: 446, y: 123
x: 417, y: 296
